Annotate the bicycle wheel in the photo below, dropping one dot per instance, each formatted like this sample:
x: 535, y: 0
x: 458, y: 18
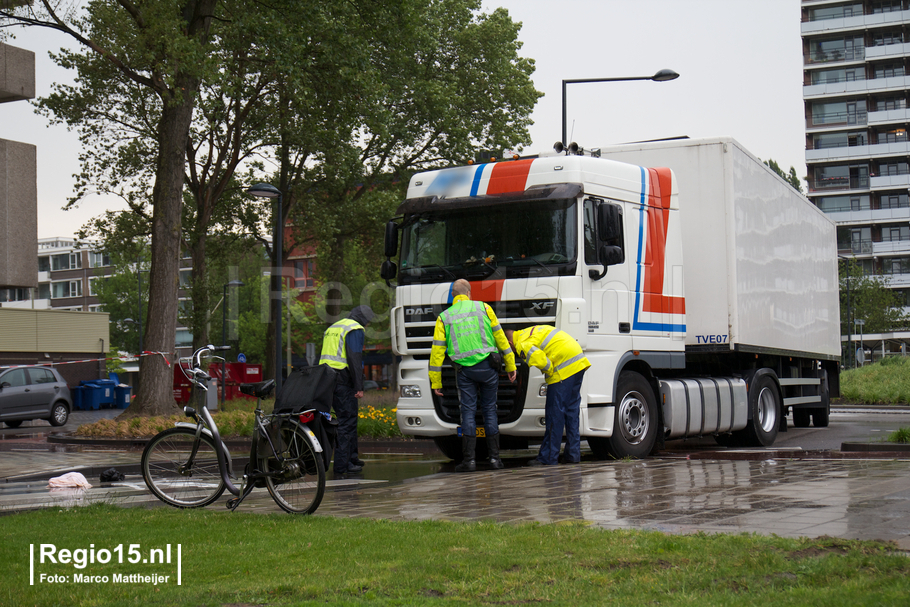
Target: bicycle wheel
x: 167, y: 476
x: 298, y: 484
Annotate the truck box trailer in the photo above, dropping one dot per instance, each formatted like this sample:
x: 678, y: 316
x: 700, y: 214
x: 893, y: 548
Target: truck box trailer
x: 701, y: 285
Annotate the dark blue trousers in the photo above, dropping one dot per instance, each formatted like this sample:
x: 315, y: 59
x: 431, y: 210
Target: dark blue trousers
x: 562, y: 412
x: 477, y: 386
x: 345, y: 406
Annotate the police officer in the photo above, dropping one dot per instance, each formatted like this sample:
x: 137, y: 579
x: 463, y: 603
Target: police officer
x: 563, y: 363
x: 470, y: 334
x: 342, y: 349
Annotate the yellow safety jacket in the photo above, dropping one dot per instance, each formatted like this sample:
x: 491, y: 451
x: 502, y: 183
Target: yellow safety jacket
x: 464, y: 331
x: 333, y: 351
x: 554, y: 352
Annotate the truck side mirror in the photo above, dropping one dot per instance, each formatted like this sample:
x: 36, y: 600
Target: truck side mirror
x: 391, y: 239
x: 388, y: 270
x: 611, y: 255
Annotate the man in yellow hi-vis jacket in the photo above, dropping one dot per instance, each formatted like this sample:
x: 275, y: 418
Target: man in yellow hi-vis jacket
x: 469, y: 333
x: 563, y: 363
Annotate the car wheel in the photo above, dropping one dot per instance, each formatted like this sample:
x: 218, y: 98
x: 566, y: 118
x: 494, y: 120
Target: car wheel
x: 13, y: 424
x: 59, y: 414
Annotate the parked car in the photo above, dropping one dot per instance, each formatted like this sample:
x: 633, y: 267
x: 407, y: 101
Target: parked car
x: 369, y: 384
x: 33, y: 393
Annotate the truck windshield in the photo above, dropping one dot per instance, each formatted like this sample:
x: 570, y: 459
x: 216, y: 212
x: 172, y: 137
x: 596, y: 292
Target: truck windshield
x: 536, y: 238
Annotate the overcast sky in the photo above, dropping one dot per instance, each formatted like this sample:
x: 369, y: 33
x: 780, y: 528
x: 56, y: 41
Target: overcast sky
x: 739, y: 61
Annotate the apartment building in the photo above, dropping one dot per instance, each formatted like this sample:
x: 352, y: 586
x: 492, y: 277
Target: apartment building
x: 856, y: 57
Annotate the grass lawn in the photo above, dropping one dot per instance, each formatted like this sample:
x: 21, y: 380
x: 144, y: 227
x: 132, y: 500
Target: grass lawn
x: 254, y: 559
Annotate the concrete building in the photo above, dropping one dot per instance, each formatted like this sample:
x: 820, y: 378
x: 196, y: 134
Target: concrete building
x: 18, y: 176
x: 856, y: 88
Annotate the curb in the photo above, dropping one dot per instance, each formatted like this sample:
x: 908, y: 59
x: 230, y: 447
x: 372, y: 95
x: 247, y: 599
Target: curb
x: 890, y: 448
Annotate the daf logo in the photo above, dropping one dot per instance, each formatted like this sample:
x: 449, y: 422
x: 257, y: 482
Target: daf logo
x: 542, y: 305
x: 418, y: 311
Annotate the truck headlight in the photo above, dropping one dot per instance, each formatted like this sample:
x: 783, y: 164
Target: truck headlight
x: 543, y: 390
x: 410, y: 391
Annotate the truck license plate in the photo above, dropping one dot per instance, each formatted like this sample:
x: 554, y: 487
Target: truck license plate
x: 480, y: 432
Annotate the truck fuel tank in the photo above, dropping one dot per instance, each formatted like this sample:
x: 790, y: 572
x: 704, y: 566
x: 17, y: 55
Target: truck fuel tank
x: 706, y: 405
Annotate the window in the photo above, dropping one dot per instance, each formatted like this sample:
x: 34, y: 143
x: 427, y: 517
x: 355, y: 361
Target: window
x: 15, y: 378
x: 66, y: 288
x: 887, y: 6
x: 44, y: 264
x: 895, y: 201
x: 66, y: 261
x: 839, y: 140
x: 41, y: 376
x: 14, y: 294
x: 184, y: 338
x: 92, y: 285
x: 186, y: 279
x: 96, y: 308
x: 886, y: 38
x: 836, y: 12
x: 889, y: 70
x: 896, y: 233
x: 840, y: 75
x: 98, y: 260
x: 895, y: 136
x: 839, y: 112
x: 304, y: 271
x: 842, y: 204
x: 890, y: 103
x: 837, y: 49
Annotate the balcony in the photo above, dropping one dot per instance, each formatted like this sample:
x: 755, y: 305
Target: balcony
x: 868, y: 216
x: 889, y: 116
x: 829, y: 26
x: 856, y: 87
x: 888, y: 51
x: 891, y: 247
x: 889, y: 182
x: 879, y: 150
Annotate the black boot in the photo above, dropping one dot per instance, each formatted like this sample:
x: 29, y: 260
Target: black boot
x: 468, y: 463
x: 493, y: 448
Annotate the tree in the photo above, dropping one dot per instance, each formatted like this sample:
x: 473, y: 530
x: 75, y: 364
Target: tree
x: 790, y: 177
x: 867, y: 297
x: 163, y: 47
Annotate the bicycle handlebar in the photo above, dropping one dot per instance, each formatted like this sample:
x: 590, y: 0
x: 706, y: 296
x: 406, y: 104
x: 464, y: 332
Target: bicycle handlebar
x: 195, y: 374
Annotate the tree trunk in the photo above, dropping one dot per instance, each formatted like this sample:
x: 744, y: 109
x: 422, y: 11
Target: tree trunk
x: 156, y: 394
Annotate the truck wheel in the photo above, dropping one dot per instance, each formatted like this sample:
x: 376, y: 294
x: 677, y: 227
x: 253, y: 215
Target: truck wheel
x: 450, y: 447
x: 764, y: 404
x: 635, y: 418
x: 820, y: 415
x: 801, y: 418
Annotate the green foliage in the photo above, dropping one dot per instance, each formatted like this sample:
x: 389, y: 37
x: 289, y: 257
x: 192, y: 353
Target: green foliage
x: 120, y: 296
x: 868, y: 298
x: 886, y: 382
x: 250, y: 558
x: 901, y: 435
x: 790, y: 177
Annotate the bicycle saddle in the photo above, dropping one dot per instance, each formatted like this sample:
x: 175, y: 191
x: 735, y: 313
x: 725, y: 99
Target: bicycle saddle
x: 259, y: 390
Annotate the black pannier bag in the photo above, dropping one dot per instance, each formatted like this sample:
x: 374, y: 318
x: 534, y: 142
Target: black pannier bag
x: 312, y: 388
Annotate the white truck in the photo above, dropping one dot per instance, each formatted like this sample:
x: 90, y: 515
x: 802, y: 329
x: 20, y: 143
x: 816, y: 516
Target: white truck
x: 704, y: 292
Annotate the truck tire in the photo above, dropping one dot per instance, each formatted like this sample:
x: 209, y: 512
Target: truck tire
x: 801, y: 418
x: 764, y: 407
x: 634, y: 423
x: 820, y: 415
x: 450, y: 447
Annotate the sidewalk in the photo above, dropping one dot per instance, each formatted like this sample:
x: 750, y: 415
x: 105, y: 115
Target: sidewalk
x: 757, y: 491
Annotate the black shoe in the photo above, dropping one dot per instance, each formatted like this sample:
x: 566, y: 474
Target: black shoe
x: 356, y: 461
x: 352, y: 469
x: 468, y: 465
x: 496, y: 464
x: 536, y: 462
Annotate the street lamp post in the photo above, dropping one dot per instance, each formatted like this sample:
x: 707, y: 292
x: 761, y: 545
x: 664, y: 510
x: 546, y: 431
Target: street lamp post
x: 265, y: 190
x: 661, y: 76
x: 233, y: 283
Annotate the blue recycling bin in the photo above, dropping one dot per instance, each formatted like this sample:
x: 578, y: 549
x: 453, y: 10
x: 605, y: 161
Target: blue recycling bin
x: 91, y: 396
x: 106, y: 397
x: 77, y: 398
x: 122, y: 396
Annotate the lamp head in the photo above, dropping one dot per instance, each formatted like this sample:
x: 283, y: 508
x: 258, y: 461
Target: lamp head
x: 263, y: 190
x: 664, y: 75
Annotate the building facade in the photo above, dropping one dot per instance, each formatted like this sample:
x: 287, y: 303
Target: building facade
x: 856, y: 57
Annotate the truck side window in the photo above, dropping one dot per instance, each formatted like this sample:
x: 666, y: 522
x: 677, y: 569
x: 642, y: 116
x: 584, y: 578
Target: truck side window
x: 590, y: 233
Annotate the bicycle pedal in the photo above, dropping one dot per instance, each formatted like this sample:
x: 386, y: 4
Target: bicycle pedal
x: 233, y: 503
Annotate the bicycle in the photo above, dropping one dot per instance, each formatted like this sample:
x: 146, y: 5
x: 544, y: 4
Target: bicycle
x: 189, y: 465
